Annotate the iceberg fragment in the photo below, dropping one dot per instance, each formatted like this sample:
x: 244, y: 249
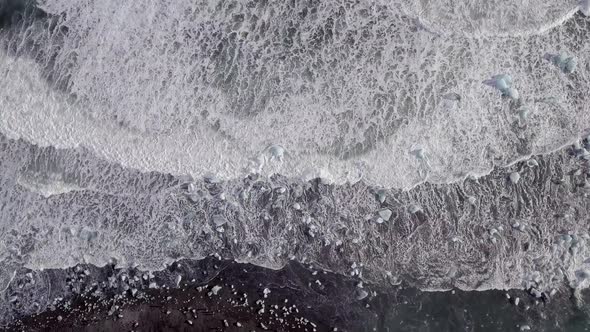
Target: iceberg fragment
x: 514, y: 177
x: 385, y: 214
x: 566, y: 64
x: 503, y: 83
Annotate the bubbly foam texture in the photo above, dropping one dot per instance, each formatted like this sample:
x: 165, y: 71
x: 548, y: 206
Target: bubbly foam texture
x: 108, y: 99
x: 348, y: 90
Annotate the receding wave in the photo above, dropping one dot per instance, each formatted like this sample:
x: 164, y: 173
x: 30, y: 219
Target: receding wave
x: 345, y: 93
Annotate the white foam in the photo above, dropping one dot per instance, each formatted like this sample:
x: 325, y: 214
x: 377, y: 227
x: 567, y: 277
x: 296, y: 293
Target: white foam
x: 152, y: 97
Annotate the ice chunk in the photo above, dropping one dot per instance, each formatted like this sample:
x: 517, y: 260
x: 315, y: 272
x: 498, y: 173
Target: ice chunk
x: 419, y: 153
x: 215, y: 289
x: 570, y: 65
x: 414, y: 208
x: 566, y: 64
x: 532, y: 163
x: 525, y: 328
x: 381, y: 195
x: 582, y: 274
x: 297, y: 206
x: 523, y: 115
x: 500, y: 82
x: 511, y: 93
x: 211, y: 178
x: 385, y: 214
x: 514, y: 177
x: 503, y: 83
x: 276, y: 152
x: 585, y: 7
x: 219, y: 220
x: 472, y: 200
x: 361, y: 294
x: 452, y: 96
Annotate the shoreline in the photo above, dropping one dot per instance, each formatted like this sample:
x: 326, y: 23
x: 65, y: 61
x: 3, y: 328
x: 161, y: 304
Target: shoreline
x: 255, y: 298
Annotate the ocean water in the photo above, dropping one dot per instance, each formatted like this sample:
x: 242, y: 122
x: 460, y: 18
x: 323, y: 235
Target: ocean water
x: 355, y: 135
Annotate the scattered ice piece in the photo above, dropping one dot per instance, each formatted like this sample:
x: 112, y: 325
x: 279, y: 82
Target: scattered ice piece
x: 525, y: 328
x: 189, y: 322
x: 266, y: 291
x: 59, y: 318
x: 220, y: 229
x: 361, y: 294
x: 508, y: 296
x: 414, y: 208
x: 211, y: 178
x: 511, y: 92
x: 153, y: 285
x: 583, y: 274
x: 276, y: 152
x: 297, y: 206
x: 178, y: 280
x: 215, y: 289
x: 514, y: 177
x: 385, y: 214
x: 419, y: 153
x: 553, y: 292
x: 281, y: 190
x: 503, y: 83
x: 381, y: 195
x: 219, y: 220
x: 523, y: 114
x: 379, y: 220
x: 472, y: 200
x: 566, y: 64
x: 516, y: 301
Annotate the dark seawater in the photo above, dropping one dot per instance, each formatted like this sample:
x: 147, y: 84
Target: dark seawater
x: 109, y: 299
